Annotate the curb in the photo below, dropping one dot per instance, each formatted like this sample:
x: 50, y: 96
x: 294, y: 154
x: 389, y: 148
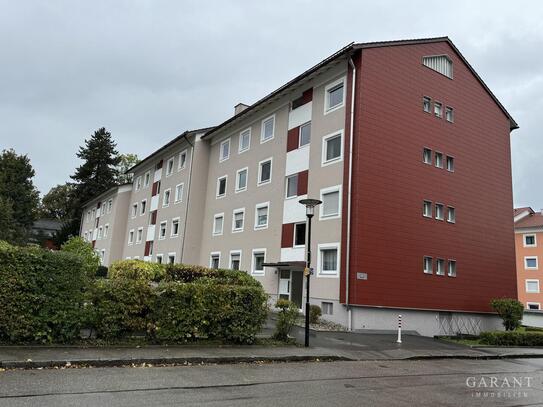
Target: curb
x: 477, y: 357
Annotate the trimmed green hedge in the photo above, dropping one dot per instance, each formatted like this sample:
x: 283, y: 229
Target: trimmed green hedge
x: 41, y: 295
x: 512, y: 338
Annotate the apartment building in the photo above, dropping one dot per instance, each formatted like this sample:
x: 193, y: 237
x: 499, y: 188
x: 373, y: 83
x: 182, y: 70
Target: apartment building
x: 389, y: 136
x: 529, y: 248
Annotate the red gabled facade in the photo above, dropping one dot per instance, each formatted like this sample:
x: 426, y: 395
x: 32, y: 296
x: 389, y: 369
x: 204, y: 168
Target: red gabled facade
x: 389, y: 235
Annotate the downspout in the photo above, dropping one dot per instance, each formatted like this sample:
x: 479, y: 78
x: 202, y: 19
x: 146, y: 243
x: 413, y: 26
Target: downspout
x: 348, y: 254
x: 188, y: 198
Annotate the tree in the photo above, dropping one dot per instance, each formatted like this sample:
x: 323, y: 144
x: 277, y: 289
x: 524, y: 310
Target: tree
x: 86, y: 253
x: 510, y: 310
x: 127, y: 162
x: 58, y: 202
x: 17, y: 189
x: 8, y: 228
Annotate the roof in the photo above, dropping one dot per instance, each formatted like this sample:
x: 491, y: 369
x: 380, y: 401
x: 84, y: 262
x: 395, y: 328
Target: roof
x: 165, y: 146
x: 518, y: 211
x: 533, y: 219
x: 348, y: 49
x: 47, y: 224
x: 106, y: 192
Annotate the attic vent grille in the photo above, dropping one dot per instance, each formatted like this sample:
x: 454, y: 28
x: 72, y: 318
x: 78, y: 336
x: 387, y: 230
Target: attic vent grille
x: 439, y: 63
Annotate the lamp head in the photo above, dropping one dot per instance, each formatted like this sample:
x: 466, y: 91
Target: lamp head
x: 310, y: 205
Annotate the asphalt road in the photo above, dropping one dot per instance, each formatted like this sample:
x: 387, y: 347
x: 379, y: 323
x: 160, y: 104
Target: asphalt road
x: 393, y: 383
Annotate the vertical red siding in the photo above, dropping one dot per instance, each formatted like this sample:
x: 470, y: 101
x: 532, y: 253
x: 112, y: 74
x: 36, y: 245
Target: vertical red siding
x: 292, y: 138
x: 287, y: 235
x: 302, y: 182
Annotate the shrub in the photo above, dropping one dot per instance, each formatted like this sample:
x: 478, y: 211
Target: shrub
x: 286, y: 318
x: 185, y: 273
x: 41, y: 295
x: 512, y: 338
x: 101, y: 272
x: 82, y: 249
x: 315, y: 313
x: 136, y: 270
x: 510, y: 310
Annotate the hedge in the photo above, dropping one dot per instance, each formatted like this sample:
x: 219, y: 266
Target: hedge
x: 512, y: 338
x: 41, y: 295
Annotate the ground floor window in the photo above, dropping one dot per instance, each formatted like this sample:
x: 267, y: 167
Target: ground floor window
x: 327, y: 308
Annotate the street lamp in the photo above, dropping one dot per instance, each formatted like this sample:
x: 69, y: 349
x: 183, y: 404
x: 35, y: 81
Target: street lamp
x: 309, y: 211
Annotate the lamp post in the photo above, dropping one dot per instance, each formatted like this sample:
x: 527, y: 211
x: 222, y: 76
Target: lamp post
x: 309, y: 211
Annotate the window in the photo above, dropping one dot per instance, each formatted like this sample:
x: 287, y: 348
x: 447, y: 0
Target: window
x: 427, y: 265
x: 94, y: 214
x: 134, y: 210
x: 159, y: 258
x: 102, y: 256
x: 439, y: 63
x: 327, y: 308
x: 171, y: 258
x: 264, y: 171
x: 241, y: 180
x: 427, y: 156
x: 139, y: 235
x: 305, y: 134
x: 532, y: 286
x: 166, y: 197
x: 438, y: 109
x: 259, y: 257
x: 449, y: 114
x: 331, y: 202
x: 331, y: 148
x: 328, y: 260
x: 100, y: 232
x: 530, y: 263
x: 175, y: 227
x: 439, y: 160
x: 452, y: 268
x: 182, y: 160
x: 136, y: 257
x: 147, y: 179
x: 143, y: 207
x: 530, y: 241
x: 150, y: 254
x: 450, y: 164
x: 334, y: 96
x: 427, y: 209
x: 238, y: 219
x: 440, y: 267
x: 215, y: 260
x: 244, y: 140
x: 299, y: 234
x: 221, y: 186
x: 533, y: 305
x: 179, y: 193
x: 109, y: 205
x: 292, y: 186
x: 85, y: 236
x: 106, y: 230
x: 224, y: 152
x: 439, y: 211
x: 138, y: 183
x: 426, y: 104
x: 103, y: 208
x: 169, y: 167
x: 131, y: 237
x: 235, y: 260
x: 88, y: 215
x: 451, y: 214
x: 261, y: 215
x: 162, y: 230
x: 268, y: 129
x: 218, y: 223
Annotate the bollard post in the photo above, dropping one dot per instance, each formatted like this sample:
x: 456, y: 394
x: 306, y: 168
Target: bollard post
x: 399, y: 329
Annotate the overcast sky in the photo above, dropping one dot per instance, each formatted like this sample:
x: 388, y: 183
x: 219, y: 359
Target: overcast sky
x: 147, y: 70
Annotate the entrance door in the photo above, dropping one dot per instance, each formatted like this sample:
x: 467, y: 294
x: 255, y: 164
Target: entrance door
x: 291, y: 286
x: 284, y: 284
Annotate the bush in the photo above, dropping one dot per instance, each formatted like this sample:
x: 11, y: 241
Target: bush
x: 510, y: 310
x: 315, y: 313
x: 286, y: 318
x: 185, y: 273
x: 136, y: 270
x: 41, y: 295
x: 82, y: 249
x: 512, y: 338
x: 101, y: 272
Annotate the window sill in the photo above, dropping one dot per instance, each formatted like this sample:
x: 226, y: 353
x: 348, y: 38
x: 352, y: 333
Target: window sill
x: 332, y: 161
x: 262, y: 141
x: 328, y: 110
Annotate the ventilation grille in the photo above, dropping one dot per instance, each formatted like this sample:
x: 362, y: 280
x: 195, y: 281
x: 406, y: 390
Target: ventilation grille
x: 439, y: 63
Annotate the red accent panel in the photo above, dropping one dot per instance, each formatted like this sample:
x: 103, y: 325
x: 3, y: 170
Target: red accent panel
x: 292, y: 138
x: 154, y: 189
x: 287, y: 235
x: 147, y: 248
x: 153, y: 217
x: 97, y: 221
x: 307, y: 96
x: 159, y: 165
x: 98, y: 205
x: 302, y: 182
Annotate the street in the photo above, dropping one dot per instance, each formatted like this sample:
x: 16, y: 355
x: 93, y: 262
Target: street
x: 451, y: 382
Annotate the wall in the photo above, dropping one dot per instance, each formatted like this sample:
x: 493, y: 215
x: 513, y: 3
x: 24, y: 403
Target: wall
x: 524, y: 274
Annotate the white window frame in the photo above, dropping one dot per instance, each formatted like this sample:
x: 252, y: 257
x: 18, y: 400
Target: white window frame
x: 324, y: 191
x: 143, y: 208
x: 211, y: 255
x: 170, y: 160
x: 240, y: 149
x: 258, y: 272
x: 170, y: 255
x: 134, y: 210
x: 109, y: 205
x: 427, y: 203
x: 524, y: 236
x: 424, y: 150
x: 297, y: 175
x: 526, y: 258
x: 300, y: 135
x: 139, y: 238
x: 131, y: 235
x: 441, y: 272
x: 225, y: 177
x: 178, y: 220
x: 327, y: 88
x: 533, y: 303
x: 449, y: 268
x: 179, y: 197
x: 238, y: 189
x: 440, y: 114
x: 234, y: 212
x: 106, y: 230
x: 226, y: 141
x: 447, y: 110
x: 215, y: 217
x: 451, y: 158
x: 164, y: 203
x: 531, y: 281
x: 100, y: 232
x: 165, y: 223
x: 138, y: 183
x: 257, y: 207
x: 429, y: 100
x: 442, y: 206
x: 185, y: 153
x: 294, y: 234
x: 259, y: 182
x: 424, y: 269
x: 230, y: 258
x: 325, y: 162
x: 325, y: 246
x: 161, y: 256
x: 438, y: 163
x: 449, y: 220
x: 147, y: 179
x: 262, y: 140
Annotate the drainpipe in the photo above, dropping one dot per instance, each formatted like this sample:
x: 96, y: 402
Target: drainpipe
x: 347, y: 262
x: 188, y: 197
